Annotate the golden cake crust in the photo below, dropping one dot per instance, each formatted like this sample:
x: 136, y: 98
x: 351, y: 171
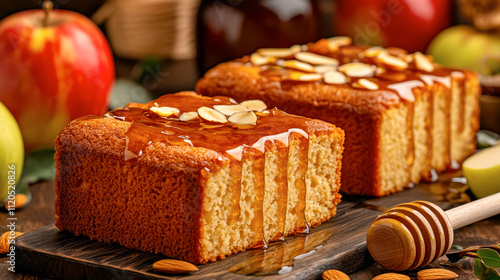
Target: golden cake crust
x: 161, y: 200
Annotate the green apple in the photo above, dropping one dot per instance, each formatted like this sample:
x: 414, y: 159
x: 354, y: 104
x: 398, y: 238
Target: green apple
x: 465, y: 47
x: 11, y: 153
x: 482, y: 171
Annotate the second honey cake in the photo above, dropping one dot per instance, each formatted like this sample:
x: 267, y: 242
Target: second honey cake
x: 403, y: 115
x: 196, y: 178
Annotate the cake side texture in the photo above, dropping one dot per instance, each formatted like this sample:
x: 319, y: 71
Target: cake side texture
x: 195, y: 190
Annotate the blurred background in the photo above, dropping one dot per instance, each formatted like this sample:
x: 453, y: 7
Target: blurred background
x: 165, y: 45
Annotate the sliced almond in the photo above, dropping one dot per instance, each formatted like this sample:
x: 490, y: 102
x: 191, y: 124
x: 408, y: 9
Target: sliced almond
x: 436, y: 274
x: 365, y: 83
x: 316, y: 59
x: 297, y: 65
x: 358, y: 69
x: 279, y: 52
x: 392, y: 62
x: 228, y: 110
x: 188, y: 116
x: 298, y: 48
x: 296, y: 76
x: 335, y: 42
x: 254, y: 105
x: 408, y: 58
x: 334, y: 77
x: 171, y: 266
x: 257, y: 59
x: 211, y: 115
x: 243, y: 118
x: 422, y: 62
x: 372, y: 52
x: 165, y: 111
x: 324, y: 68
x: 395, y: 51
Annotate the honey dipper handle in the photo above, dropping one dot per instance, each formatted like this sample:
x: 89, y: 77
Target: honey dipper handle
x: 474, y: 211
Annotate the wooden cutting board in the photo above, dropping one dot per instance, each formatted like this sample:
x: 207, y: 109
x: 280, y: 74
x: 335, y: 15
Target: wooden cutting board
x: 336, y: 244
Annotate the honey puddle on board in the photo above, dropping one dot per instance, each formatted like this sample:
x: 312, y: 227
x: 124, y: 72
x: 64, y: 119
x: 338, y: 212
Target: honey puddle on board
x: 279, y: 257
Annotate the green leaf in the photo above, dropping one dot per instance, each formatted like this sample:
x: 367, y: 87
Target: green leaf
x: 127, y: 91
x: 490, y: 274
x: 457, y: 247
x: 490, y: 257
x: 484, y: 273
x: 478, y: 268
x: 38, y: 165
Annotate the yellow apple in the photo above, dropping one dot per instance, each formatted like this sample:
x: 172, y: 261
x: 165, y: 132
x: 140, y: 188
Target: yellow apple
x: 465, y: 47
x: 11, y: 153
x: 482, y: 171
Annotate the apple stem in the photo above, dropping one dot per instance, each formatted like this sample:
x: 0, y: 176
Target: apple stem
x: 47, y: 6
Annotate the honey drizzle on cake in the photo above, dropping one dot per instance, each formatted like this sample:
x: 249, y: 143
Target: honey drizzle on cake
x: 401, y: 81
x: 276, y: 127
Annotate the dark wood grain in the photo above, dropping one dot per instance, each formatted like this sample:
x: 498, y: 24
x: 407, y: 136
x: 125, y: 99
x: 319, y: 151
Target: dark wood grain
x: 38, y: 213
x: 337, y: 244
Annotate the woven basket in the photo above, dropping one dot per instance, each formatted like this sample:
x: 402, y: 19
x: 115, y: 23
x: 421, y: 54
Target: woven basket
x: 150, y: 28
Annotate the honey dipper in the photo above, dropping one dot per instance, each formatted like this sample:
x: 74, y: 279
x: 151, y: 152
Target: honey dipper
x: 414, y: 234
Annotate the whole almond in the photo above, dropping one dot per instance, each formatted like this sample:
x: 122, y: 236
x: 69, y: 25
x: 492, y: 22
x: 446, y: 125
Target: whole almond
x: 436, y: 274
x: 391, y: 276
x: 5, y: 240
x: 19, y: 201
x: 333, y: 274
x: 171, y: 266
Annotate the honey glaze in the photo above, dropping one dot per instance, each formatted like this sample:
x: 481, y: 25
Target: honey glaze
x: 401, y: 81
x: 279, y: 257
x: 235, y: 142
x: 148, y: 128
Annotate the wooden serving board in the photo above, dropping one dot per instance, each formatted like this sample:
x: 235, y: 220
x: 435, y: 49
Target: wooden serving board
x: 336, y: 244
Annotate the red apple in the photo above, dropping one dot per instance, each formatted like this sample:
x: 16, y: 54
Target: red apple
x: 407, y: 24
x: 52, y: 72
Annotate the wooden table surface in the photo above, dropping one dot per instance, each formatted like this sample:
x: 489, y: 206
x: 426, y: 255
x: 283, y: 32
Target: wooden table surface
x: 40, y: 212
